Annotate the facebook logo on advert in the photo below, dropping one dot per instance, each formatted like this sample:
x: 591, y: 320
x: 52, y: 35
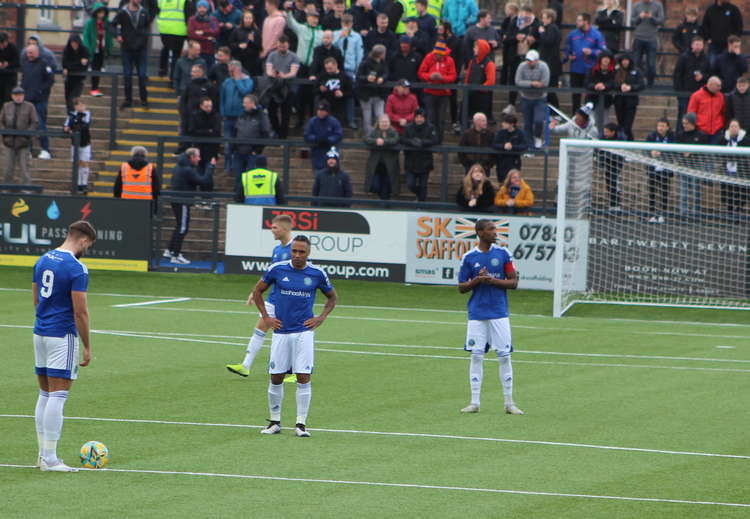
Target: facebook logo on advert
x: 448, y: 272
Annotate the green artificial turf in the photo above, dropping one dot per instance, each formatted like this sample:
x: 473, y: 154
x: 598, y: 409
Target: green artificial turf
x: 389, y: 360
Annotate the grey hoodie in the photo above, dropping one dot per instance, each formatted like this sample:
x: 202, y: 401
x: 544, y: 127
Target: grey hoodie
x: 647, y: 29
x: 525, y: 74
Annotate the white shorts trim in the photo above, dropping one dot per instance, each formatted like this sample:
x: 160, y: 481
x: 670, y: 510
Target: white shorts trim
x: 56, y: 356
x: 270, y: 310
x: 84, y: 153
x: 292, y: 351
x: 492, y: 334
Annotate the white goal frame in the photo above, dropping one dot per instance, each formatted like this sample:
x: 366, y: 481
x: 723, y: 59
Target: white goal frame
x: 563, y: 220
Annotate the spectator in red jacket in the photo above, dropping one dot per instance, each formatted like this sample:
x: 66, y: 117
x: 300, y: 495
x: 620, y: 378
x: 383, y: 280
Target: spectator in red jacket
x: 709, y: 106
x: 480, y: 71
x: 437, y: 68
x: 401, y: 106
x: 204, y: 28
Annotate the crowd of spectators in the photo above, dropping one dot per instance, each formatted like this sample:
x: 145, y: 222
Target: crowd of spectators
x: 234, y: 64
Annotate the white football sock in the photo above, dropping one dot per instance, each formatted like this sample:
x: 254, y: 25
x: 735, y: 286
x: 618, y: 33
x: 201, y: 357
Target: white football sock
x: 506, y: 378
x: 253, y: 347
x: 476, y: 372
x: 41, y: 404
x: 304, y: 395
x: 275, y: 397
x: 53, y: 423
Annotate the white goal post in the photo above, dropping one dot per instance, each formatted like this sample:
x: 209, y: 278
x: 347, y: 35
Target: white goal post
x: 641, y: 223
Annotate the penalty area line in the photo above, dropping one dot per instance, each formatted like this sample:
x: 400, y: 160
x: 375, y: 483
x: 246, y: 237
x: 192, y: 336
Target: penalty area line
x: 402, y: 435
x: 405, y: 485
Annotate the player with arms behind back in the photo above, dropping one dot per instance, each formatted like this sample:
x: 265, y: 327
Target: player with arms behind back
x: 59, y: 287
x: 296, y: 283
x: 281, y: 228
x: 487, y: 272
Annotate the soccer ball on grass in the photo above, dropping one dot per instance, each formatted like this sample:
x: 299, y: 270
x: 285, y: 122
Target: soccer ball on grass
x: 94, y: 455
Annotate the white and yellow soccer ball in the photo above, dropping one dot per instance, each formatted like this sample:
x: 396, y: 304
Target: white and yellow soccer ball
x: 94, y: 455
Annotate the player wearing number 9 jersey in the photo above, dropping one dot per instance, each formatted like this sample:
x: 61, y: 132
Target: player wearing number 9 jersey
x: 487, y: 272
x: 59, y: 291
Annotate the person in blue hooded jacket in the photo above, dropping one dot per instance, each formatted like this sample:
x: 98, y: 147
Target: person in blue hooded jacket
x: 233, y: 90
x: 322, y: 132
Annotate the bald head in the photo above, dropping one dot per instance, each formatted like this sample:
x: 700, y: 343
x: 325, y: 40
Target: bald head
x: 714, y: 84
x: 32, y: 52
x: 480, y: 121
x: 327, y: 38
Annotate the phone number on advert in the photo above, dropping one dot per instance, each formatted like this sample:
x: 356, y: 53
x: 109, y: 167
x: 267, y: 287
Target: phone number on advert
x: 532, y: 234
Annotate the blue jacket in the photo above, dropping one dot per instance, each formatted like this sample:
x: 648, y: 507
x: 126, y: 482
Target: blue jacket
x: 576, y: 42
x: 355, y: 51
x: 232, y: 92
x: 37, y: 79
x: 322, y: 134
x: 461, y: 14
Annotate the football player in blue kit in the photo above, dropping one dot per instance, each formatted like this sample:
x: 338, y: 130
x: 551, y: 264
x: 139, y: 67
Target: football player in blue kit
x: 296, y: 282
x: 59, y: 290
x: 281, y: 228
x: 487, y: 272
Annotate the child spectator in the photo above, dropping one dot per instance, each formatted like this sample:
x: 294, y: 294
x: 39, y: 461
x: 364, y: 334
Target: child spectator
x: 245, y: 43
x: 628, y: 80
x: 610, y: 21
x: 334, y: 87
x: 581, y: 127
x: 204, y: 29
x: 97, y: 37
x: 371, y: 74
x: 476, y: 193
x: 401, y: 106
x: 383, y: 170
x: 515, y: 194
x: 735, y: 196
x: 418, y: 163
x: 75, y: 60
x: 659, y: 177
x: 79, y: 121
x: 685, y: 32
x: 512, y: 143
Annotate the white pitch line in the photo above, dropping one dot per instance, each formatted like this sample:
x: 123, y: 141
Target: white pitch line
x: 156, y: 302
x: 406, y: 485
x: 453, y: 357
x: 406, y: 435
x: 726, y: 347
x: 402, y: 309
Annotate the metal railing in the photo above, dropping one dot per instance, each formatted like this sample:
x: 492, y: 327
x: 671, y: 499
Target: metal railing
x: 76, y: 142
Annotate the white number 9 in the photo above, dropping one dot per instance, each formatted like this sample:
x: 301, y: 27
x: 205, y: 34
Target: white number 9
x: 48, y: 279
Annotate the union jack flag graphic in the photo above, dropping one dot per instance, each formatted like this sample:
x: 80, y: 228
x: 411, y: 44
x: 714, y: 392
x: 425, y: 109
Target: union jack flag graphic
x: 463, y: 229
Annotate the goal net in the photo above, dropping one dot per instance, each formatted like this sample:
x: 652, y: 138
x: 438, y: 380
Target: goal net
x: 652, y: 224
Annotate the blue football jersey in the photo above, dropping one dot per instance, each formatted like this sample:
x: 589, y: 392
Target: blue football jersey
x: 280, y: 253
x: 295, y: 293
x: 57, y: 273
x: 486, y: 301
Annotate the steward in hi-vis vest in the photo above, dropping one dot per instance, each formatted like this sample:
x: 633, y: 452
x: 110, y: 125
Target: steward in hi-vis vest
x: 137, y: 178
x: 260, y: 186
